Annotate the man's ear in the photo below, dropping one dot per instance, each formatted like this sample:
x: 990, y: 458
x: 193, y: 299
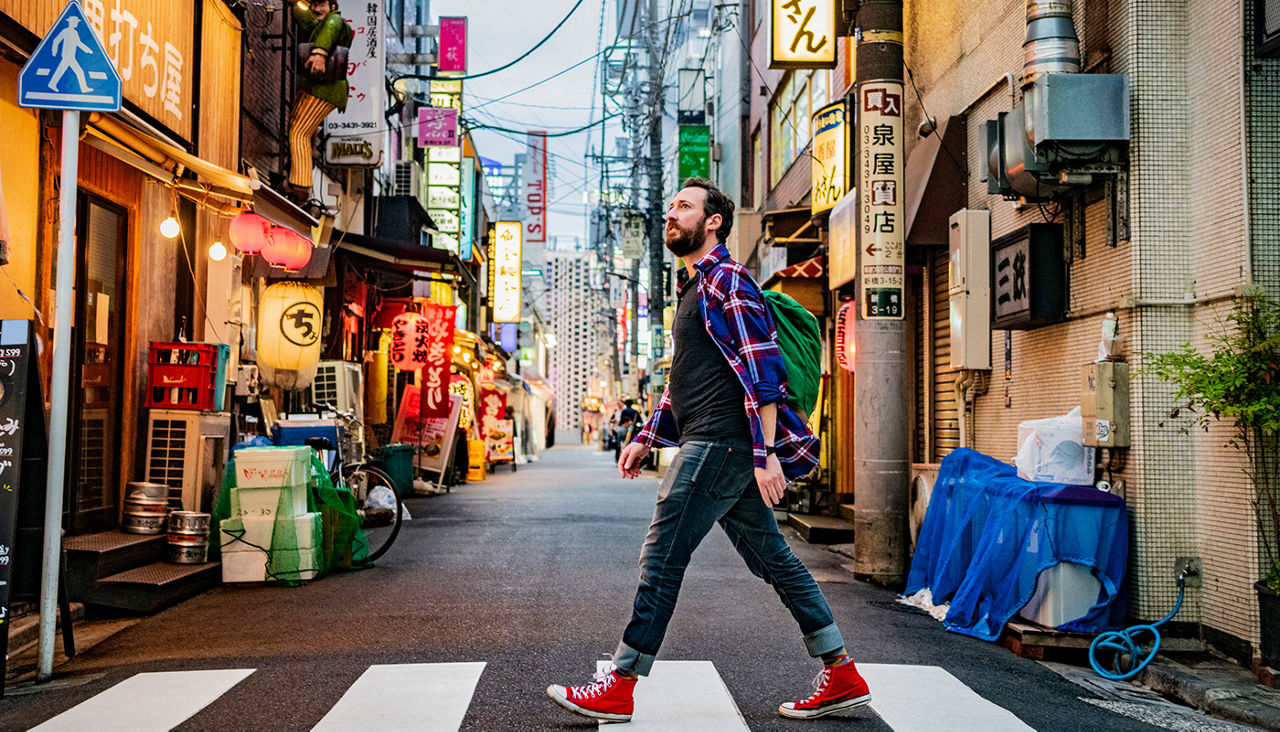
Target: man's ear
x: 713, y: 223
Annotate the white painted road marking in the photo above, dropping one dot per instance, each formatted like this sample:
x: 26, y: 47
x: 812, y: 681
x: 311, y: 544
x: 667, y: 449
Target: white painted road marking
x: 146, y: 702
x: 927, y: 698
x: 684, y: 695
x: 417, y: 696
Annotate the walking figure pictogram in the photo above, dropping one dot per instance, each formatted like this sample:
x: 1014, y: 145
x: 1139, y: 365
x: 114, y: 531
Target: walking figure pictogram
x: 69, y: 41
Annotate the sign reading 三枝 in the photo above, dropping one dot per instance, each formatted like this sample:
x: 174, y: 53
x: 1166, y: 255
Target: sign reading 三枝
x: 828, y: 172
x: 535, y: 188
x: 881, y: 239
x: 802, y: 34
x: 504, y: 266
x: 355, y: 134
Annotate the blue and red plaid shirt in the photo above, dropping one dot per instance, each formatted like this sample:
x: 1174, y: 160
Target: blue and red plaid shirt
x: 739, y: 322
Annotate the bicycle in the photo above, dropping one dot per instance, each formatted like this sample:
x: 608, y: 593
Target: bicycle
x: 378, y: 501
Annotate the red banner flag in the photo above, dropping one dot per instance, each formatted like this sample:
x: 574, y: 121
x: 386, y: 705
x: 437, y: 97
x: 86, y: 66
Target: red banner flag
x: 436, y: 327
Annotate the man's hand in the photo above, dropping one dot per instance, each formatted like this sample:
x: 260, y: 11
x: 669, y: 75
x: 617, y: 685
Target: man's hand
x: 629, y: 460
x: 316, y: 64
x: 771, y: 481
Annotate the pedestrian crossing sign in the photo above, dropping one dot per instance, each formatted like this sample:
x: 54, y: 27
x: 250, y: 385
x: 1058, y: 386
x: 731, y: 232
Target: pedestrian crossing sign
x: 70, y: 68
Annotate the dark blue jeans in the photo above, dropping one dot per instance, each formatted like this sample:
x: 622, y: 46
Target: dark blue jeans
x: 713, y: 482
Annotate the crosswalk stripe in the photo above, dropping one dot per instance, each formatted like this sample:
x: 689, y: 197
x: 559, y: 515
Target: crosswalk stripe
x: 684, y: 695
x: 417, y: 696
x: 927, y: 698
x: 149, y: 701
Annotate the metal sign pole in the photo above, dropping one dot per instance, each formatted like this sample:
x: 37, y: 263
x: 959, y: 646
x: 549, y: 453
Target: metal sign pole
x: 60, y: 393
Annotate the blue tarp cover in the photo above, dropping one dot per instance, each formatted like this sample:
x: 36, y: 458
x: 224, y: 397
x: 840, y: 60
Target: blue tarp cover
x: 988, y: 534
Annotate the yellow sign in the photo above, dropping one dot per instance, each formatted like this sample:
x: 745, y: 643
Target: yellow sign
x: 830, y: 140
x: 505, y: 266
x: 882, y: 237
x: 802, y: 34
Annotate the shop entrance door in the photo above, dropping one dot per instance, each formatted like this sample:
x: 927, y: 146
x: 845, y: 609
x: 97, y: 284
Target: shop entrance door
x: 98, y: 348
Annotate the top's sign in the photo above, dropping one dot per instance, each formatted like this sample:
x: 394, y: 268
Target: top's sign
x: 355, y: 134
x: 802, y: 34
x: 828, y: 172
x: 453, y: 45
x: 70, y: 69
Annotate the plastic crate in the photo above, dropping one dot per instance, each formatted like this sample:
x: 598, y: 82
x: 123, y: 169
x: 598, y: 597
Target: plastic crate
x: 187, y: 375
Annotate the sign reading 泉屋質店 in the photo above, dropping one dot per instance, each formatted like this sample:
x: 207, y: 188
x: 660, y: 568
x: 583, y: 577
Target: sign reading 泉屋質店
x: 149, y: 42
x: 504, y: 269
x: 535, y: 188
x: 829, y: 174
x: 355, y: 134
x: 881, y: 274
x: 802, y: 34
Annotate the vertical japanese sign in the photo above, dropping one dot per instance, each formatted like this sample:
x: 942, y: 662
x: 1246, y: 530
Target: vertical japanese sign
x: 437, y: 325
x: 828, y: 170
x: 468, y: 213
x: 695, y: 151
x: 535, y: 188
x: 882, y: 272
x: 620, y: 319
x: 444, y: 195
x: 437, y: 126
x: 504, y: 264
x: 632, y: 234
x: 493, y: 407
x: 802, y: 34
x: 355, y: 134
x: 453, y: 45
x: 15, y: 354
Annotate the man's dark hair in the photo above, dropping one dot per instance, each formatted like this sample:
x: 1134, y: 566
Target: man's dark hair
x: 718, y: 202
x: 629, y: 402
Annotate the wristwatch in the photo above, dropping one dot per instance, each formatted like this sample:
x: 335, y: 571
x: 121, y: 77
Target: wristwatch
x: 770, y: 450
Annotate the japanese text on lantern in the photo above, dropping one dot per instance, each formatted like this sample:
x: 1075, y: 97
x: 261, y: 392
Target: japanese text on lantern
x: 436, y: 331
x: 881, y: 230
x: 505, y: 295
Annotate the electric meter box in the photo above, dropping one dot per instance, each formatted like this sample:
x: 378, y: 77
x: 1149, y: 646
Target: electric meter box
x: 969, y: 288
x: 1104, y: 404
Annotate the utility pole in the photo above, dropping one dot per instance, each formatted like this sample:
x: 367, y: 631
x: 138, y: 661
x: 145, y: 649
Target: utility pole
x: 880, y: 386
x: 633, y: 104
x: 655, y: 228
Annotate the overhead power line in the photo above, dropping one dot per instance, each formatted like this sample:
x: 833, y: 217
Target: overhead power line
x: 478, y: 126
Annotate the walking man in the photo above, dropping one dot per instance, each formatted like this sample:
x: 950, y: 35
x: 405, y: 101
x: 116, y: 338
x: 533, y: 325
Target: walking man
x: 69, y: 40
x: 725, y: 406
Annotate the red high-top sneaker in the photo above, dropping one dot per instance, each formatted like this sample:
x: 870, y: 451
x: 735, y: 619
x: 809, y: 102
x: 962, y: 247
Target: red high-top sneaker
x: 836, y: 688
x: 607, y: 697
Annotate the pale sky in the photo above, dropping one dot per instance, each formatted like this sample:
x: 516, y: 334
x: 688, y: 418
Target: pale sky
x: 498, y: 32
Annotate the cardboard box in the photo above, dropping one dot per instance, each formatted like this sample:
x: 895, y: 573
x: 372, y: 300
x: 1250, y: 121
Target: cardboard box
x: 272, y: 467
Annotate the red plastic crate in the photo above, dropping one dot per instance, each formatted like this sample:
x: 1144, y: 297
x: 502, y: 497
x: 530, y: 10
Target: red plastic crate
x: 181, y: 375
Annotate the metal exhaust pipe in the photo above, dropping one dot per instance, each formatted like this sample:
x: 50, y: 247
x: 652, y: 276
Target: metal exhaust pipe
x: 1051, y: 45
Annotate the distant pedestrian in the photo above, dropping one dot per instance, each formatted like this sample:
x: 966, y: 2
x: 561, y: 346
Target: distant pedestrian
x: 628, y: 424
x: 725, y: 406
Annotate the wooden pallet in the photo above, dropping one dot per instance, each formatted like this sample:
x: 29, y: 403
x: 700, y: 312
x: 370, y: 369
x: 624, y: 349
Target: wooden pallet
x: 1029, y: 640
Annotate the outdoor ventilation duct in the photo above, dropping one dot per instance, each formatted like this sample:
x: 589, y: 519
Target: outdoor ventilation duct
x: 1068, y: 127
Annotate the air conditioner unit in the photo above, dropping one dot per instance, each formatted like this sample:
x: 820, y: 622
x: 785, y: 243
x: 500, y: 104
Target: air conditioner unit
x: 341, y: 384
x: 405, y: 178
x: 187, y: 451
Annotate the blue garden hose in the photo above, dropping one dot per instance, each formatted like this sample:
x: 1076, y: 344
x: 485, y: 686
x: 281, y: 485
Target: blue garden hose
x: 1128, y: 655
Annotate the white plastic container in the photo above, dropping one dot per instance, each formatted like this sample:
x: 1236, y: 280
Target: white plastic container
x: 251, y: 566
x: 242, y: 561
x: 272, y: 467
x: 263, y: 503
x: 258, y: 532
x: 1064, y: 592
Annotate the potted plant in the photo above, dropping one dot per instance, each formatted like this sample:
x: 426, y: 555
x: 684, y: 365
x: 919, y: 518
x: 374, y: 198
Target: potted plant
x: 1238, y: 379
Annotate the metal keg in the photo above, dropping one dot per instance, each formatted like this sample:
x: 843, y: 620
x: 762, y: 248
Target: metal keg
x: 188, y: 537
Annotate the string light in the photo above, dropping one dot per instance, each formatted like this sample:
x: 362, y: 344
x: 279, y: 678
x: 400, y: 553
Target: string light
x: 170, y: 228
x: 217, y: 251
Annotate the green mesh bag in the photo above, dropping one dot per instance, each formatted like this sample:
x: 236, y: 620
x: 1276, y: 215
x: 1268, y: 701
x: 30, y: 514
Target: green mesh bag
x: 298, y: 548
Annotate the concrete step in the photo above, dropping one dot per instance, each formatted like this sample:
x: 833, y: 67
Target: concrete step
x: 90, y: 557
x: 846, y: 511
x: 822, y: 529
x: 153, y: 587
x: 26, y: 629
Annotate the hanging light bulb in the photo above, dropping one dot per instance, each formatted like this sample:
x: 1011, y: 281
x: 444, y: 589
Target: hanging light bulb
x: 217, y: 251
x: 170, y: 228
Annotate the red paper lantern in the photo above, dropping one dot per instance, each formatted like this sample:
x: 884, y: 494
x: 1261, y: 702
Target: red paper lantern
x: 287, y: 248
x: 249, y: 233
x: 846, y: 320
x: 404, y: 351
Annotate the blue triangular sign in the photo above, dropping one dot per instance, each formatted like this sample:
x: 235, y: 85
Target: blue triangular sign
x: 70, y: 69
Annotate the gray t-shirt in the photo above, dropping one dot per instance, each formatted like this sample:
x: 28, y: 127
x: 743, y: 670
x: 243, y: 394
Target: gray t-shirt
x: 707, y: 400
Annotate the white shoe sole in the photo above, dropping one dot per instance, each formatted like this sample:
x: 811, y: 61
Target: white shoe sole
x: 557, y: 694
x: 824, y: 711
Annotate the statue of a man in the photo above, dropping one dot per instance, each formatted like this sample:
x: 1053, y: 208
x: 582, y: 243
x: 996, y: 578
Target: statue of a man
x: 321, y: 86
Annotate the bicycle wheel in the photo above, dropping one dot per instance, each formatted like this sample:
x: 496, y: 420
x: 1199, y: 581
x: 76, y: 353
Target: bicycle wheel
x: 378, y: 503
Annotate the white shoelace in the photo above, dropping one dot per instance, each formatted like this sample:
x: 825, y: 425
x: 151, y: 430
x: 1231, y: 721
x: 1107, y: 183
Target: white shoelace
x: 820, y: 683
x: 600, y: 683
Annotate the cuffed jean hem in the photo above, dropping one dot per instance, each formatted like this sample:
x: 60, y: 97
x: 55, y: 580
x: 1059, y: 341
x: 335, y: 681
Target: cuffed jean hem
x: 631, y: 661
x: 823, y: 640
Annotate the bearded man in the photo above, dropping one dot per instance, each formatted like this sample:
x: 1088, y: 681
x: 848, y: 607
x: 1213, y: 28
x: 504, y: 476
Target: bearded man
x: 725, y: 406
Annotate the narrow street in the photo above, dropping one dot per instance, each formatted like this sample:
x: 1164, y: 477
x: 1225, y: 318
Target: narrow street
x: 500, y: 588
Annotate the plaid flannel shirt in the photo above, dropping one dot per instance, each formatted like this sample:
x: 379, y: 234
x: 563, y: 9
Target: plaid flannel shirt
x: 739, y: 322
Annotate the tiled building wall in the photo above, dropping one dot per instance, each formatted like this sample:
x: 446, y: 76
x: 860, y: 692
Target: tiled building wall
x: 1186, y: 493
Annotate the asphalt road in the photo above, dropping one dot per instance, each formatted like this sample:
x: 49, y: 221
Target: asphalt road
x: 533, y: 573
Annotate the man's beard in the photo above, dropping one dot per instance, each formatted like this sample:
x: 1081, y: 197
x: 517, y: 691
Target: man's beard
x: 682, y: 242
